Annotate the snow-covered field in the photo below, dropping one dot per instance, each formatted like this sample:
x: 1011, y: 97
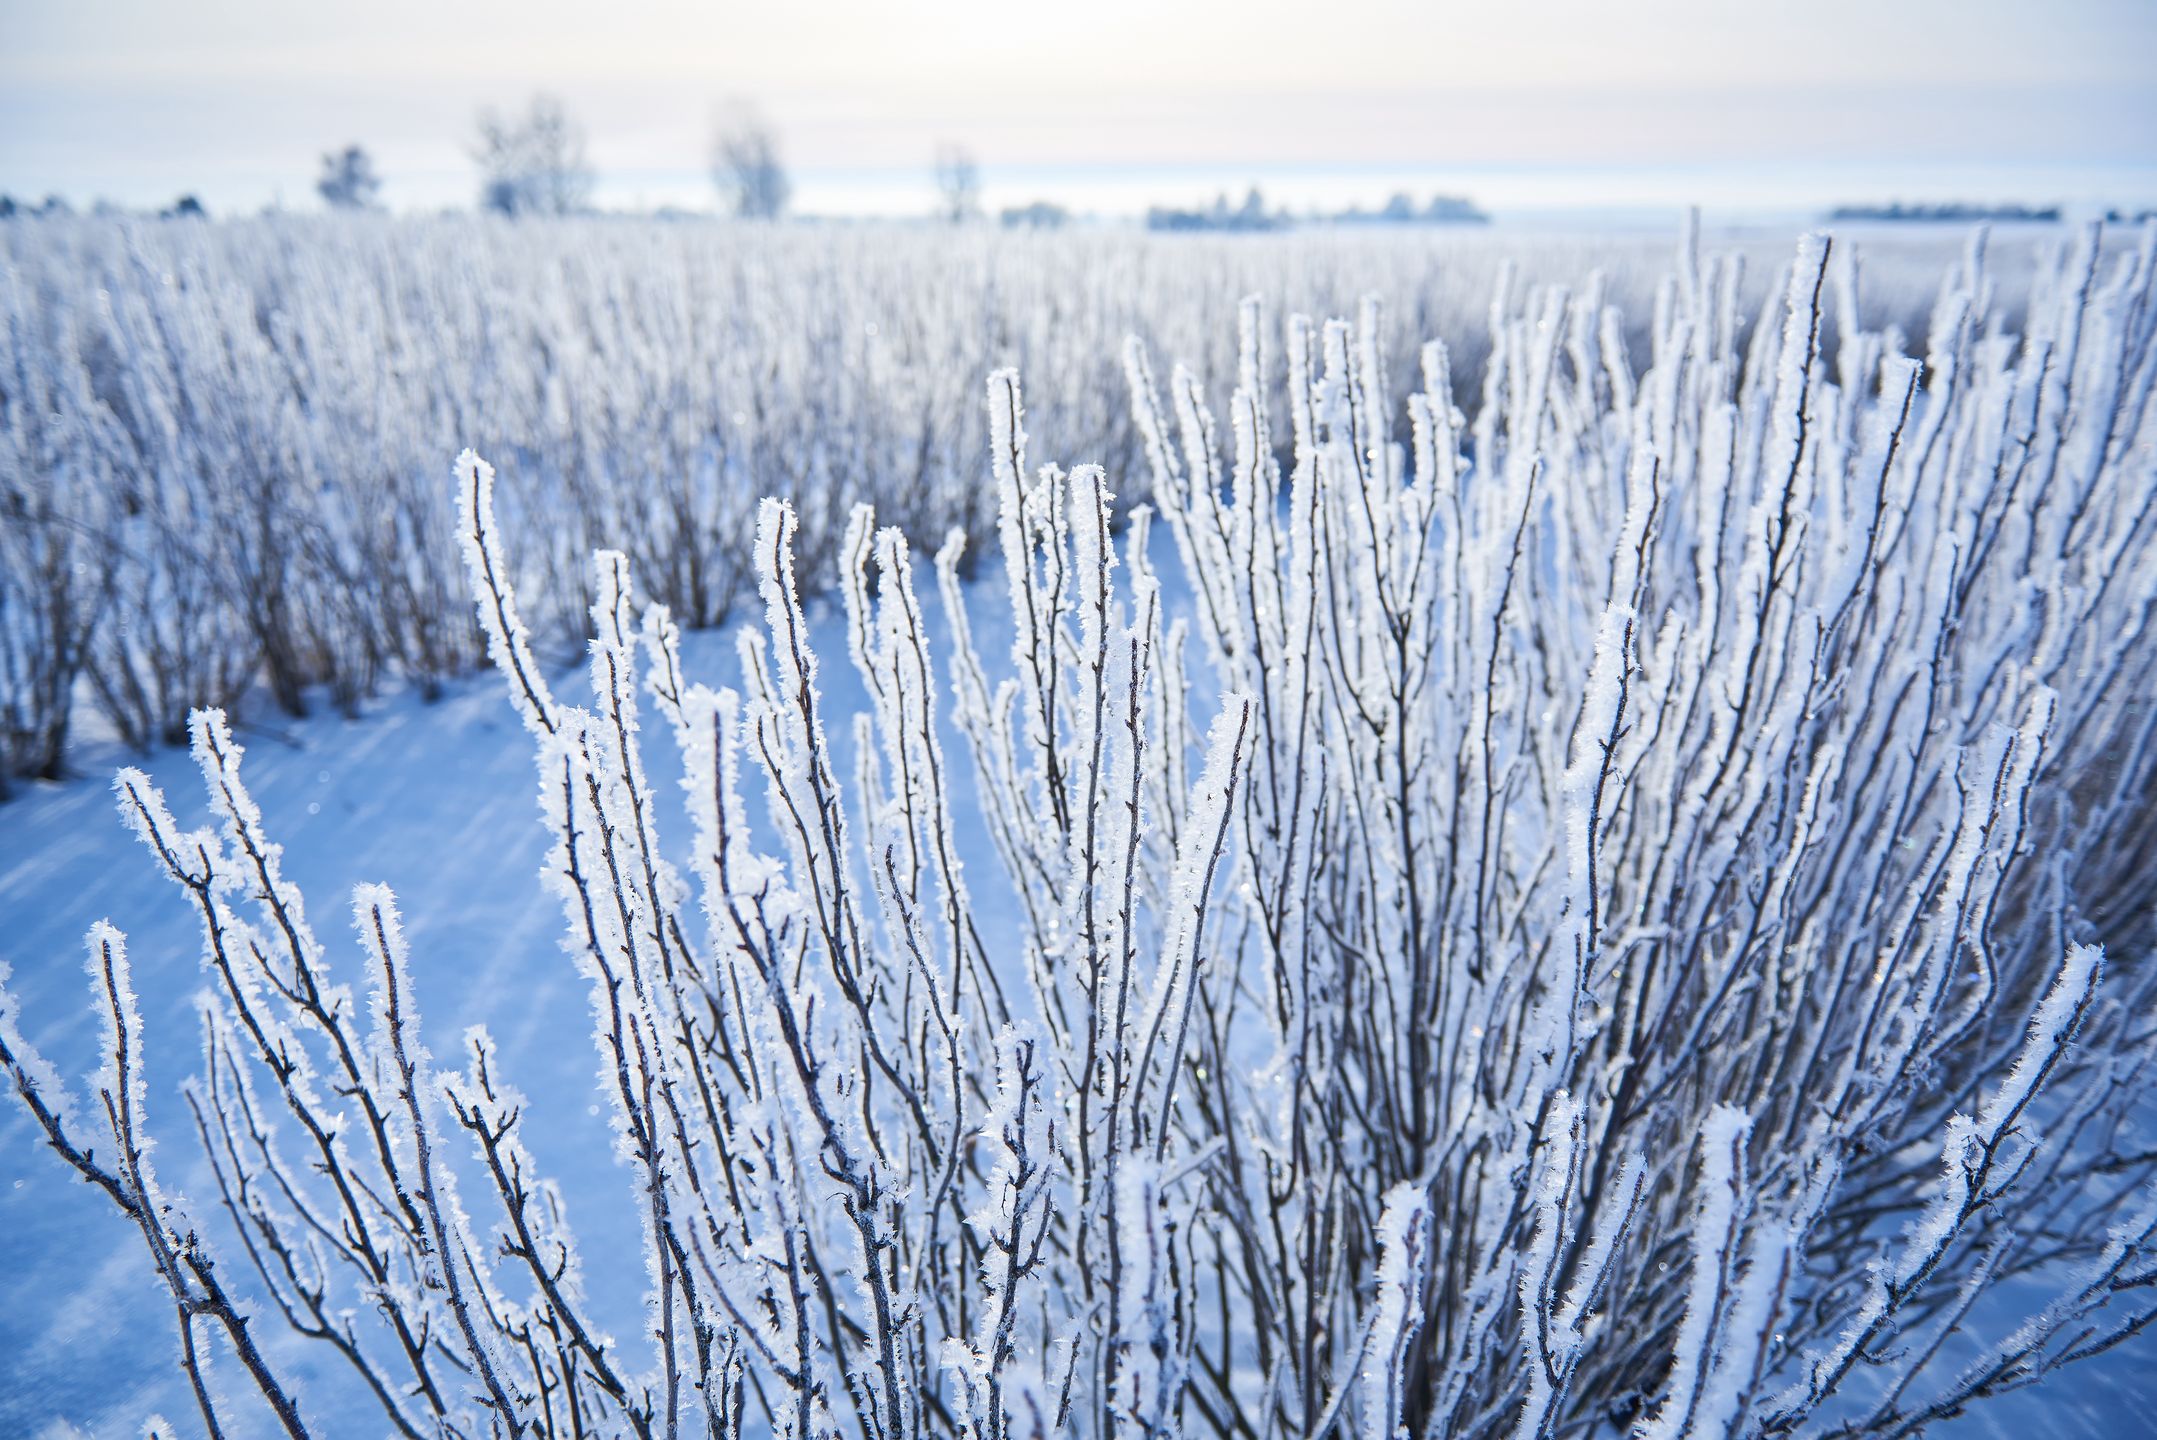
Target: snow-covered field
x: 223, y: 444
x: 1774, y: 690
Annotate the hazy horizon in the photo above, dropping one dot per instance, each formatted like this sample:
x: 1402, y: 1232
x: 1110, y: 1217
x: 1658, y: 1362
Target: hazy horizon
x: 1540, y: 106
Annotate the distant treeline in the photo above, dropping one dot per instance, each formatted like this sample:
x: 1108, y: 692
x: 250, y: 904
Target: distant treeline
x: 1253, y: 214
x: 1950, y: 213
x: 187, y: 207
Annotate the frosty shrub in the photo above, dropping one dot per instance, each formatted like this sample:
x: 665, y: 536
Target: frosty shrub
x: 1639, y: 932
x: 221, y: 445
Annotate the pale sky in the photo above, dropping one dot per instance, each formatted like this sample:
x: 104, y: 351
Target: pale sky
x: 1109, y: 104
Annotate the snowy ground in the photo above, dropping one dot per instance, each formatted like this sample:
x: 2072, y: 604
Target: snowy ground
x: 435, y: 800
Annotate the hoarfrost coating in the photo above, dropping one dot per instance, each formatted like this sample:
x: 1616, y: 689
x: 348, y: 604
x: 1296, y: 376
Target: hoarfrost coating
x: 1634, y: 918
x: 220, y: 446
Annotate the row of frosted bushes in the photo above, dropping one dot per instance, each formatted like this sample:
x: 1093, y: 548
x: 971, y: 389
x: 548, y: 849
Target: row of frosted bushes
x: 220, y: 445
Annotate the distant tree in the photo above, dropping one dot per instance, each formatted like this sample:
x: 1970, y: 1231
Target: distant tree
x: 1251, y: 215
x: 1454, y: 210
x: 8, y: 207
x: 187, y: 207
x: 746, y: 167
x: 958, y: 184
x: 348, y: 180
x: 534, y: 165
x: 1040, y: 215
x: 55, y: 205
x: 1402, y: 209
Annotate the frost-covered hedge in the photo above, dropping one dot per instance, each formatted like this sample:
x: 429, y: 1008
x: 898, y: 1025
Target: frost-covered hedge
x: 220, y: 445
x: 1646, y: 931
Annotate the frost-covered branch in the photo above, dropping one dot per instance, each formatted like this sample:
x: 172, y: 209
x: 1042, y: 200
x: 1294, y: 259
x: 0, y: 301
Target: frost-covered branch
x: 1580, y: 919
